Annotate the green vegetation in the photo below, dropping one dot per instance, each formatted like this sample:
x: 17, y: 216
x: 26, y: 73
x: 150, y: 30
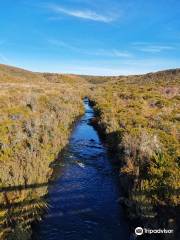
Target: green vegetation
x: 37, y: 112
x: 139, y: 116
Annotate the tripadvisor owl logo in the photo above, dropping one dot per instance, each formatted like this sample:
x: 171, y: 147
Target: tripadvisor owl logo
x: 139, y: 231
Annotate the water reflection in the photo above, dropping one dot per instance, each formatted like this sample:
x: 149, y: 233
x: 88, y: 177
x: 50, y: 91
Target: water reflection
x: 83, y: 199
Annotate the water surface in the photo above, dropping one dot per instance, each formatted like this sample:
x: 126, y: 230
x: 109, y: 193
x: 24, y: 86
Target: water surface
x: 83, y: 199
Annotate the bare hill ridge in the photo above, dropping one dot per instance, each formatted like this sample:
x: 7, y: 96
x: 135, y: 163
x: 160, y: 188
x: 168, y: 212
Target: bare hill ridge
x: 15, y: 72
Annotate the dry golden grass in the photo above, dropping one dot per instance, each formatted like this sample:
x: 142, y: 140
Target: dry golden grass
x: 36, y: 116
x: 138, y: 114
x: 140, y: 117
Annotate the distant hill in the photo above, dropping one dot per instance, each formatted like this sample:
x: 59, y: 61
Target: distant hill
x: 14, y: 74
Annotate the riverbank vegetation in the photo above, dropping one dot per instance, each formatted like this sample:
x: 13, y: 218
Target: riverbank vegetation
x: 36, y: 116
x: 139, y: 116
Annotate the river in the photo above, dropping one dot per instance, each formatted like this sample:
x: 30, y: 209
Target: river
x: 83, y: 200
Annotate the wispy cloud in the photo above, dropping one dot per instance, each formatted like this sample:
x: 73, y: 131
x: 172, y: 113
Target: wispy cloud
x: 102, y: 67
x: 112, y: 53
x: 3, y: 58
x: 84, y: 14
x: 152, y: 48
x: 115, y: 53
x: 62, y: 44
x: 155, y: 49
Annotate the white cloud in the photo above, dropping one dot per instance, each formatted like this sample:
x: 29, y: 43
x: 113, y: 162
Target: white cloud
x: 118, y: 53
x: 3, y: 58
x: 59, y: 43
x: 152, y: 48
x: 98, y: 67
x: 84, y: 14
x: 112, y: 53
x: 155, y: 49
x: 96, y: 52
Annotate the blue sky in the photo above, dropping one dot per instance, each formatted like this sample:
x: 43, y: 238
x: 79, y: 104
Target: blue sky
x: 98, y: 37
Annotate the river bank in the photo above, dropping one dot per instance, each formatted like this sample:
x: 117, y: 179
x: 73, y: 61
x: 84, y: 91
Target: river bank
x: 37, y: 112
x: 137, y: 118
x: 84, y: 198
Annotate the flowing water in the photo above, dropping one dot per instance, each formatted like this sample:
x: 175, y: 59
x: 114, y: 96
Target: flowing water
x: 83, y: 199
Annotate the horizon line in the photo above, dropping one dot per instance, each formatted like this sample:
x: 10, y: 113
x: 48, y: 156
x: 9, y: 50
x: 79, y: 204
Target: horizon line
x: 93, y: 75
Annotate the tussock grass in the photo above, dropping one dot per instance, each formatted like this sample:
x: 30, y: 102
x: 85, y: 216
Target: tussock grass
x: 36, y: 116
x: 140, y: 118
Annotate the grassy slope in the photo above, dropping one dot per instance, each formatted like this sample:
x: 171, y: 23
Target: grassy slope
x: 36, y: 116
x: 138, y: 114
x: 140, y: 118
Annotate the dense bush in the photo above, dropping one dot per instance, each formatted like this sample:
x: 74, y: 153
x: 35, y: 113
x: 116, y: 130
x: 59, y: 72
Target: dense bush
x: 36, y: 116
x: 140, y: 117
